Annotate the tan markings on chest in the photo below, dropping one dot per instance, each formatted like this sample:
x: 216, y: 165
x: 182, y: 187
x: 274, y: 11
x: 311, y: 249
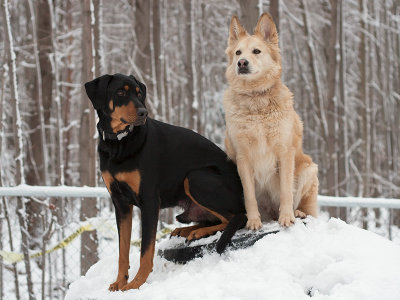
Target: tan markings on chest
x: 131, y: 178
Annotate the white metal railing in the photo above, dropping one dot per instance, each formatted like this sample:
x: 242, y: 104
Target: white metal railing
x: 24, y: 190
x: 87, y: 192
x: 358, y: 202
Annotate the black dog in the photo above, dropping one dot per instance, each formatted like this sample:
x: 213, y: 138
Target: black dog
x: 154, y: 165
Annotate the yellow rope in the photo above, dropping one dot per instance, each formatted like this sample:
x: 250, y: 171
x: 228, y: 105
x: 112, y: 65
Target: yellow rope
x: 14, y: 257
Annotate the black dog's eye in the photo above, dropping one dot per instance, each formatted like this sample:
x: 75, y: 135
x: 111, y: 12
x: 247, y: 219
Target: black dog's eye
x: 256, y: 51
x: 121, y: 93
x: 238, y: 52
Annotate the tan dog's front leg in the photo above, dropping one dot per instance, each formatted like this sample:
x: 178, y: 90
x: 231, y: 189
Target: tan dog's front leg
x: 286, y: 174
x: 247, y: 177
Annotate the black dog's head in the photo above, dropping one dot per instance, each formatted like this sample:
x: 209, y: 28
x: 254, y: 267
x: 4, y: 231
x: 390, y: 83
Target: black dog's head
x: 119, y: 101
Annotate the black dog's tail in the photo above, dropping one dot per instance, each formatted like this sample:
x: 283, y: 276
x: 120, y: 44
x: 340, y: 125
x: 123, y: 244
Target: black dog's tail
x: 236, y: 223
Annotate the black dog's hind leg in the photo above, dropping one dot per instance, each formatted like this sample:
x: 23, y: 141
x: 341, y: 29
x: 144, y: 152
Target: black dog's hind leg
x: 207, y: 189
x: 185, y: 231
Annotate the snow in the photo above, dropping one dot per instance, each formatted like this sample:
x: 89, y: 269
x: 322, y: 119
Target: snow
x: 324, y: 259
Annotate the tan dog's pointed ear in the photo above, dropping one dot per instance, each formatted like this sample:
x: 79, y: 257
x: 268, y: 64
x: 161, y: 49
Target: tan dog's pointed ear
x: 266, y: 29
x: 236, y: 30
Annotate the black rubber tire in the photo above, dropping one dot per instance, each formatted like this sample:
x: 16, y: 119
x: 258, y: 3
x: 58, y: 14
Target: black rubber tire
x: 183, y: 253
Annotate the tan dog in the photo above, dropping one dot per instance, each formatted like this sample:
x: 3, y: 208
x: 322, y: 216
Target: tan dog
x: 263, y: 132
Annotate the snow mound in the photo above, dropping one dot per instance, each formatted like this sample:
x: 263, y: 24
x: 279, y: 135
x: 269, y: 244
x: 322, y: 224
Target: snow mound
x: 321, y: 260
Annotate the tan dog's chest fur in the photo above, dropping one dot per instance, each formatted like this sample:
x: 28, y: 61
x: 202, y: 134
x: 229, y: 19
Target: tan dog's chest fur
x: 264, y: 138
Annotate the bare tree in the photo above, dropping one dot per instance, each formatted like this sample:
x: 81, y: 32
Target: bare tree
x: 366, y: 113
x: 249, y: 13
x: 37, y: 163
x: 274, y: 11
x: 87, y: 141
x: 4, y: 206
x: 20, y: 172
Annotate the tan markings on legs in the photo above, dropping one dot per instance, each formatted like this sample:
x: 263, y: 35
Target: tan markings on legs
x: 108, y: 179
x: 146, y: 266
x: 131, y: 178
x: 185, y: 231
x: 206, y: 231
x: 125, y: 229
x: 187, y: 192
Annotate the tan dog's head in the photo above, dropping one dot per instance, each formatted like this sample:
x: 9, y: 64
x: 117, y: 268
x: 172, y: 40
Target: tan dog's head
x: 254, y: 60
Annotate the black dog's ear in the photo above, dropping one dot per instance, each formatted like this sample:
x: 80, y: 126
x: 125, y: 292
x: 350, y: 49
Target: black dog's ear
x: 142, y: 86
x: 97, y: 90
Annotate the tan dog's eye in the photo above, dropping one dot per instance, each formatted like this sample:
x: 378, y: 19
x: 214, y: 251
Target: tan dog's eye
x: 121, y: 93
x: 238, y: 52
x: 256, y: 51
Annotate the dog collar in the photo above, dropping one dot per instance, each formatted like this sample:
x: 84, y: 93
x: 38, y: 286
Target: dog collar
x: 114, y: 136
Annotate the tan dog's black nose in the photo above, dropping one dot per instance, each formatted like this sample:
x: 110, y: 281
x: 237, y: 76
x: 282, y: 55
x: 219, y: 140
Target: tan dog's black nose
x: 243, y: 63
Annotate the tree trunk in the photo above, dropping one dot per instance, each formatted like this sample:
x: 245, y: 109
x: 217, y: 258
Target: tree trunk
x: 317, y: 97
x: 4, y: 206
x: 20, y: 173
x: 142, y: 58
x: 366, y: 114
x: 37, y: 156
x: 331, y: 140
x: 87, y: 169
x: 96, y: 36
x: 189, y: 61
x: 274, y: 11
x: 343, y: 162
x: 249, y: 13
x: 154, y: 31
x: 317, y: 94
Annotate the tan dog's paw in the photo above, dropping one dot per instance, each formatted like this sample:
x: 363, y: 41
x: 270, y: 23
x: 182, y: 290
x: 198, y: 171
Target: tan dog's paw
x: 118, y: 284
x: 299, y: 214
x: 286, y: 218
x: 133, y: 285
x: 254, y: 223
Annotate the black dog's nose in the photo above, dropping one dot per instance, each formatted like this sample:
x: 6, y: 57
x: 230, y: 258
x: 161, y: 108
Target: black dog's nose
x: 142, y: 112
x: 242, y: 63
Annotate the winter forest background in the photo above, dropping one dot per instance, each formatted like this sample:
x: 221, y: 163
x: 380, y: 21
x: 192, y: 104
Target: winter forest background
x: 341, y: 59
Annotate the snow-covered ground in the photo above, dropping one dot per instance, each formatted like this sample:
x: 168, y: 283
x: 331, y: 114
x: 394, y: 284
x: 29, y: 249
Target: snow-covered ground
x: 321, y: 260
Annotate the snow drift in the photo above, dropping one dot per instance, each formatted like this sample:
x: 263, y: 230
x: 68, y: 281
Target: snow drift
x: 321, y: 260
